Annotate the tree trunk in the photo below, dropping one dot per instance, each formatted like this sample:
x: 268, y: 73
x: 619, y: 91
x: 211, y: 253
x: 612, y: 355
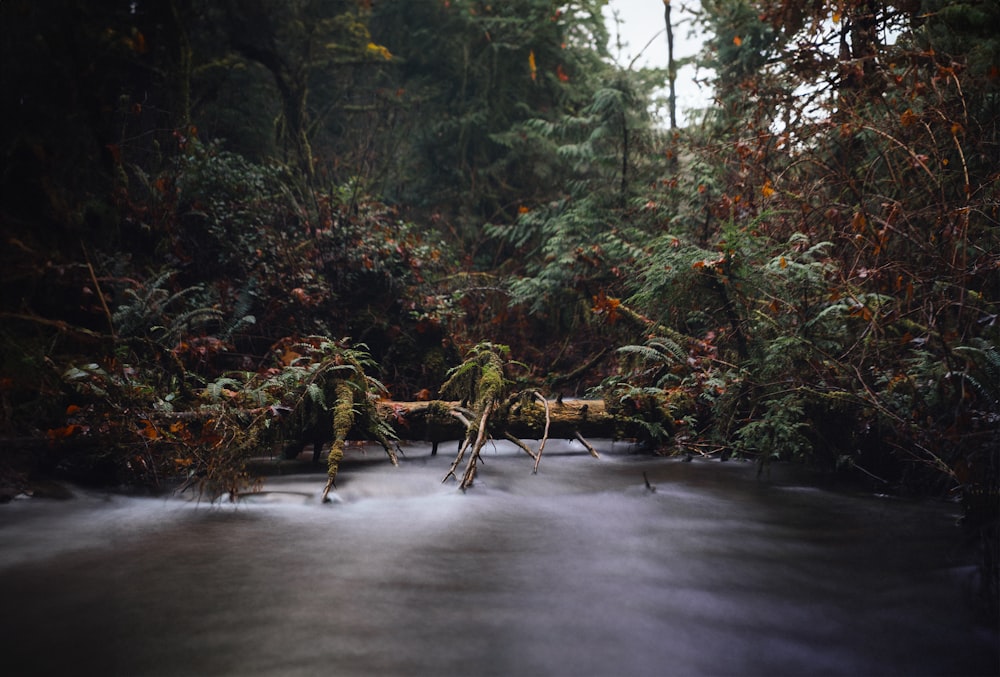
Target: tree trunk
x: 671, y: 67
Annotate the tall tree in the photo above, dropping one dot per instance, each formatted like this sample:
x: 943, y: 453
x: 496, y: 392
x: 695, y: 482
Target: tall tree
x: 472, y: 71
x: 296, y: 42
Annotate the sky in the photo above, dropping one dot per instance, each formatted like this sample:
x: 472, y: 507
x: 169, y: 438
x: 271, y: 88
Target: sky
x: 642, y: 21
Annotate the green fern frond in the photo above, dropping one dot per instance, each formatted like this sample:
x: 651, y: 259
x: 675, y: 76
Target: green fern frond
x: 985, y: 362
x: 315, y: 394
x: 668, y: 346
x: 644, y: 352
x: 657, y: 350
x: 214, y: 390
x: 655, y: 431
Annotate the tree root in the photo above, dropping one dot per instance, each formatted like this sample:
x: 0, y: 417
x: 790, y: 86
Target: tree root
x: 524, y: 447
x: 470, y: 470
x: 545, y: 435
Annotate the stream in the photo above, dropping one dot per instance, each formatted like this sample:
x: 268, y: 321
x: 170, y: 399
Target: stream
x: 578, y: 570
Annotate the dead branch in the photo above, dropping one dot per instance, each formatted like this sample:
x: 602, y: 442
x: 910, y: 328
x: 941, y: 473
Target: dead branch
x: 545, y: 434
x: 517, y: 442
x: 588, y: 445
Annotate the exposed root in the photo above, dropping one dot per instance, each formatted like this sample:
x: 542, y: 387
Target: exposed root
x: 470, y: 430
x: 458, y: 458
x: 545, y: 435
x: 470, y: 470
x: 460, y: 415
x: 522, y: 445
x: 479, y: 379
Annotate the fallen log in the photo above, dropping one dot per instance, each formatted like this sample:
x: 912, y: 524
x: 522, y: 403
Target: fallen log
x: 434, y: 421
x: 418, y: 421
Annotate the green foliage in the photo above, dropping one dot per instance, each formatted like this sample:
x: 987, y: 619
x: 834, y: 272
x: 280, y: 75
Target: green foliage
x: 232, y: 213
x: 779, y: 433
x: 479, y: 379
x: 149, y: 310
x: 655, y: 359
x: 474, y: 72
x: 647, y: 393
x: 580, y: 242
x: 211, y: 435
x: 982, y: 372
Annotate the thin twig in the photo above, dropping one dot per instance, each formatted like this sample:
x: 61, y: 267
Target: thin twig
x: 524, y: 447
x: 588, y: 445
x: 100, y: 294
x: 545, y: 435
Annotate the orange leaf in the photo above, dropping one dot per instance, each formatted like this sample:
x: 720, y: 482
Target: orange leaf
x: 64, y: 432
x: 532, y: 66
x: 289, y: 356
x: 148, y: 431
x: 767, y: 190
x: 737, y: 41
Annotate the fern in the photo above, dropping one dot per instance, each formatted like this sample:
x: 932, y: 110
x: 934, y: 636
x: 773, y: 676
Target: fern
x: 315, y: 394
x: 667, y: 346
x: 778, y: 433
x: 656, y: 355
x: 983, y: 374
x: 217, y: 389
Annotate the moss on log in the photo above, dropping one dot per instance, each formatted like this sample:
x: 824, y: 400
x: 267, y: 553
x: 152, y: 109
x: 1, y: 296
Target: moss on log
x: 432, y: 421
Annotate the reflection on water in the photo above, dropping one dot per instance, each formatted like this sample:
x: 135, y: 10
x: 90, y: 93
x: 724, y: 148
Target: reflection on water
x: 579, y: 570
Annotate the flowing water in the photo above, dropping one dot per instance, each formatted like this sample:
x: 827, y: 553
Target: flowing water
x: 578, y: 570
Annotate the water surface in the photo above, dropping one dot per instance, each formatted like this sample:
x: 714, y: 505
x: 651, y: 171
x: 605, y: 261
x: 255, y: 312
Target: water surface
x: 579, y: 570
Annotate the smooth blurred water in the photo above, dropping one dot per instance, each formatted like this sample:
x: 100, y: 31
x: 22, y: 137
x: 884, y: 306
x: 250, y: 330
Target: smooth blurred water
x: 579, y: 570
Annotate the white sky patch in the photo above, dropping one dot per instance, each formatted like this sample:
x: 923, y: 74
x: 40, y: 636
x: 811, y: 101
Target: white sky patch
x: 642, y: 34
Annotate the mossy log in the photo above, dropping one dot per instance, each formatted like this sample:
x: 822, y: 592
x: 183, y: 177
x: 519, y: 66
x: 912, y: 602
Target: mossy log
x: 568, y: 419
x: 439, y: 421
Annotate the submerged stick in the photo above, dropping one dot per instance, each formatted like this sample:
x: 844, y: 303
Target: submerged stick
x: 649, y: 487
x: 588, y: 445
